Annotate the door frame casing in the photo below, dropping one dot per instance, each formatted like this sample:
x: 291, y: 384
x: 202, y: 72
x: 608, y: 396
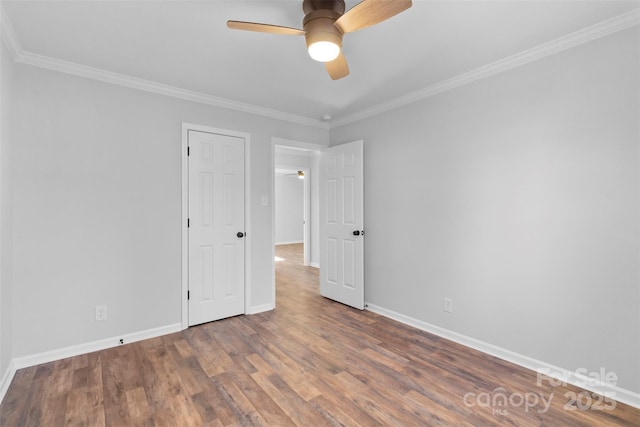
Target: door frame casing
x: 306, y: 202
x: 186, y: 127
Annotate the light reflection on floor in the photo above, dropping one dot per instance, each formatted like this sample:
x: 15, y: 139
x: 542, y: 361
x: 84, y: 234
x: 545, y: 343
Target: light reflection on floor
x: 278, y: 259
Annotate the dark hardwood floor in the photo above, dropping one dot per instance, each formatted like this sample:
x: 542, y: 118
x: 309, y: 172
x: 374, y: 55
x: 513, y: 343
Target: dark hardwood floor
x: 310, y: 362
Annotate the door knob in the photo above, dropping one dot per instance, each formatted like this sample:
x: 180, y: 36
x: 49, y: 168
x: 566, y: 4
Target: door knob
x: 356, y: 233
x: 240, y: 234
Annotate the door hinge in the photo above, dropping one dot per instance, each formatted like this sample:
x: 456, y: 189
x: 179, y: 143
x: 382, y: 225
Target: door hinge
x: 188, y: 151
x: 188, y: 294
x: 188, y: 223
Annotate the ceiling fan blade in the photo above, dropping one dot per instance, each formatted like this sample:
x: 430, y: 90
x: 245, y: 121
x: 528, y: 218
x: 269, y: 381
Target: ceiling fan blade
x: 370, y: 12
x: 264, y: 28
x: 338, y: 68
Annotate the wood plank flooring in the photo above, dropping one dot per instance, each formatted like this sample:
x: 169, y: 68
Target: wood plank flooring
x: 310, y: 362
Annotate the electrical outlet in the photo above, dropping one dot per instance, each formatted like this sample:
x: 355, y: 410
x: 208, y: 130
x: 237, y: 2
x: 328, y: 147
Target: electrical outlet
x: 101, y: 313
x: 448, y: 305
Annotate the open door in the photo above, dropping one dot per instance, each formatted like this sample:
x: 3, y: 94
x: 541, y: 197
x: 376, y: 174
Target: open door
x: 342, y: 224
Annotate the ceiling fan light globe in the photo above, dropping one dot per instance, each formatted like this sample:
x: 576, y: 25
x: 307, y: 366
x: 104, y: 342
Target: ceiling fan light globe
x: 324, y: 51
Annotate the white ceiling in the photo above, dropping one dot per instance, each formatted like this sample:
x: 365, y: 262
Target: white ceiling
x: 186, y: 44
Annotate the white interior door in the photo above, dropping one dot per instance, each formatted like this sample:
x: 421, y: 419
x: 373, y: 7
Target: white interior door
x: 342, y: 225
x: 216, y: 226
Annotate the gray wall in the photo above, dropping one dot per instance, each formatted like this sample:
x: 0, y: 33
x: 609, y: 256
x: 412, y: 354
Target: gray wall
x: 6, y: 308
x: 96, y: 176
x: 518, y: 197
x: 289, y: 209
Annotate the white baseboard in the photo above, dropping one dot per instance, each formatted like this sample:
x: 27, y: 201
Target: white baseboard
x: 619, y: 394
x: 314, y: 264
x: 63, y: 353
x: 570, y: 377
x: 260, y: 309
x: 6, y: 380
x: 289, y: 243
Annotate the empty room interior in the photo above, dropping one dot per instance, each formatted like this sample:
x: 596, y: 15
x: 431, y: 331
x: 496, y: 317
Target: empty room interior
x: 462, y: 177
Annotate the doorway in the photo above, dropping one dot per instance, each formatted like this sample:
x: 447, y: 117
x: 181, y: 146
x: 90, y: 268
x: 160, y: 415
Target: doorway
x: 337, y: 200
x: 293, y: 209
x: 289, y: 157
x: 295, y: 165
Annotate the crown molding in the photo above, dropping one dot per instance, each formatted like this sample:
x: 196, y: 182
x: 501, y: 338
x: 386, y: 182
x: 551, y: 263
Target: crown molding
x: 62, y: 66
x: 601, y: 29
x: 596, y: 31
x: 24, y: 57
x: 8, y: 34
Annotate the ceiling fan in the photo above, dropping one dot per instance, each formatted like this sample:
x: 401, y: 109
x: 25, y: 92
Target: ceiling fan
x: 324, y: 24
x: 299, y: 174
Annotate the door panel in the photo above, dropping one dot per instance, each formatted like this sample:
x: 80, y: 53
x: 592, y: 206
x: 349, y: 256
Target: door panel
x: 341, y: 251
x: 216, y: 215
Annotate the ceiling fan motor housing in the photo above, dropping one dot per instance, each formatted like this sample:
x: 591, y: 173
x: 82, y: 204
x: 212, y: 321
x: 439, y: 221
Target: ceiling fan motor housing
x: 319, y: 19
x: 337, y: 6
